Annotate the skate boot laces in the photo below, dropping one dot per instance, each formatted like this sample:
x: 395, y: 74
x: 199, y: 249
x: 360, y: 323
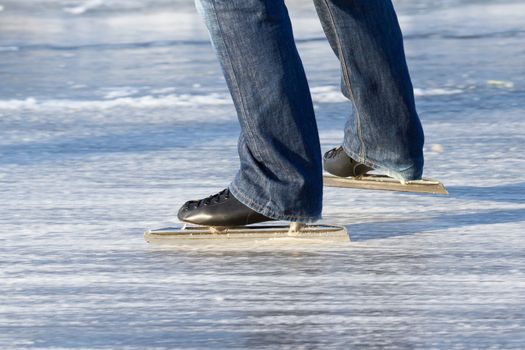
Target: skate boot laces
x: 334, y: 152
x: 213, y: 199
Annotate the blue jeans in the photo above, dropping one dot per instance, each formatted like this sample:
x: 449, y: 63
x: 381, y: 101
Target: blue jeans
x: 280, y: 173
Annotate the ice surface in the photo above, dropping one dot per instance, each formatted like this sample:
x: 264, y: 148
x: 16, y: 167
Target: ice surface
x: 113, y: 116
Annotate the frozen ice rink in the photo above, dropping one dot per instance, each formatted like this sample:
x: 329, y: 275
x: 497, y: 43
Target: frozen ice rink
x: 113, y: 113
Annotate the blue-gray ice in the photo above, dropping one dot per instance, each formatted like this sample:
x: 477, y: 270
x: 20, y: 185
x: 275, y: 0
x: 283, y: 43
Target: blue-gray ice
x: 113, y: 113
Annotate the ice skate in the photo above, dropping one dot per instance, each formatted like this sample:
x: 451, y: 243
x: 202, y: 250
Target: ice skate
x: 338, y: 163
x: 219, y: 210
x: 345, y: 172
x: 222, y: 216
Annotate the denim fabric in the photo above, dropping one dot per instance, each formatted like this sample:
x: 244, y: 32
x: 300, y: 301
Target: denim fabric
x: 384, y: 132
x: 280, y: 172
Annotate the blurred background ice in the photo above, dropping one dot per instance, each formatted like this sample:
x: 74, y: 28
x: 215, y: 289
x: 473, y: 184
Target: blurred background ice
x: 113, y: 113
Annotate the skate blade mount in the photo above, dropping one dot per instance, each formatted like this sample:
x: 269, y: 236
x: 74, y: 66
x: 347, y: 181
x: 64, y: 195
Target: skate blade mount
x: 385, y: 183
x: 205, y: 234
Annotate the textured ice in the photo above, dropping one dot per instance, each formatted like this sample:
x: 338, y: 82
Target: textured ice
x: 115, y: 99
x: 112, y: 117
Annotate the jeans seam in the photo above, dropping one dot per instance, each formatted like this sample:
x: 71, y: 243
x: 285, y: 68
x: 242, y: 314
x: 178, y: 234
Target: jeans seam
x: 346, y: 78
x: 235, y: 80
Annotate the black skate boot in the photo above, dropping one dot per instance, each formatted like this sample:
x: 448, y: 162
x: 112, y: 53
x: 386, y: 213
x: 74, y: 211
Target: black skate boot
x: 221, y: 209
x: 338, y: 163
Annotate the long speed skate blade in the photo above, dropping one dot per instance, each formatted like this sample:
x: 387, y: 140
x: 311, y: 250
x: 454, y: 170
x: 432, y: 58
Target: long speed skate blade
x: 385, y: 183
x: 203, y: 233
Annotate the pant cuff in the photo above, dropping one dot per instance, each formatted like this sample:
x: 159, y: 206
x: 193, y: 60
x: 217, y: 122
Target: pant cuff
x: 401, y: 176
x: 266, y: 210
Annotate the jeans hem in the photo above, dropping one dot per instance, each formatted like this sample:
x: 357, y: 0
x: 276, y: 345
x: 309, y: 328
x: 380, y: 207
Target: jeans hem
x: 387, y: 171
x: 267, y: 211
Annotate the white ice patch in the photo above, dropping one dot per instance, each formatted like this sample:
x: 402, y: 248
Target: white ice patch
x: 9, y: 48
x: 78, y: 86
x: 436, y: 92
x: 132, y: 102
x: 88, y: 5
x: 162, y: 91
x: 327, y: 94
x: 122, y: 92
x: 437, y: 148
x: 331, y: 94
x: 122, y: 98
x: 500, y: 84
